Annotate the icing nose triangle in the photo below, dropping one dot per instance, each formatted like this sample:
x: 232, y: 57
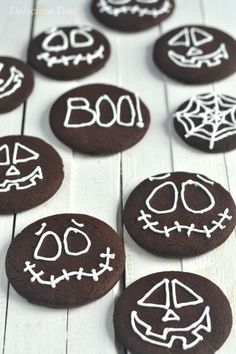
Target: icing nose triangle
x: 12, y: 171
x: 170, y: 316
x: 194, y: 51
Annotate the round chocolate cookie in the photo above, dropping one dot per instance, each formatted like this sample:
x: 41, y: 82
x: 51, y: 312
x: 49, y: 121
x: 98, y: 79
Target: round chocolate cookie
x: 208, y: 122
x: 99, y: 119
x: 65, y: 260
x: 31, y: 172
x: 179, y: 214
x: 173, y: 313
x: 69, y: 53
x: 196, y: 54
x: 132, y: 15
x: 16, y: 83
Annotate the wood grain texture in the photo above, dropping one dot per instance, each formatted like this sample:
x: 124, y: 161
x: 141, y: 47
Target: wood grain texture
x: 100, y: 186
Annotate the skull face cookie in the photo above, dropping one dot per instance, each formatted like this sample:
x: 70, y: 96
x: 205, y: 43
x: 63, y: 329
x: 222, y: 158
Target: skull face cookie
x: 31, y: 172
x: 172, y: 312
x: 16, y: 83
x: 196, y: 54
x: 132, y: 15
x: 68, y: 53
x: 179, y: 214
x: 65, y: 260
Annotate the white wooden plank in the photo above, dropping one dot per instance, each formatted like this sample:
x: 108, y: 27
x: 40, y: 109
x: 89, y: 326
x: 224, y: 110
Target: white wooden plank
x: 215, y: 265
x: 10, y: 123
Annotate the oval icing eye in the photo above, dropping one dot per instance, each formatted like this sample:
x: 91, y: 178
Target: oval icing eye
x: 165, y: 196
x: 199, y: 197
x: 58, y: 246
x: 77, y: 239
x: 80, y: 38
x: 105, y: 108
x: 55, y: 41
x: 119, y: 2
x: 4, y: 155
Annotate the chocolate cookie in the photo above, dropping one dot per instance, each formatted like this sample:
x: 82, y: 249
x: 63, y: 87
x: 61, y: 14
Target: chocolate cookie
x: 31, y: 172
x: 173, y: 313
x: 99, y: 119
x: 16, y: 83
x: 196, y: 54
x: 68, y: 53
x: 132, y: 15
x: 179, y: 214
x: 65, y: 260
x: 208, y: 122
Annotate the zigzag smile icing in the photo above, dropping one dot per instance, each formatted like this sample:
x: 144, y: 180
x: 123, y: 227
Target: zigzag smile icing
x: 24, y: 182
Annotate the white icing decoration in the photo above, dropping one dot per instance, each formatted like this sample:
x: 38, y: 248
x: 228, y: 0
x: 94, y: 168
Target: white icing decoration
x: 12, y: 171
x: 39, y: 245
x: 76, y: 230
x: 206, y: 180
x: 32, y: 155
x: 6, y: 153
x: 154, y: 192
x: 193, y: 38
x: 198, y: 185
x: 154, y: 178
x: 107, y: 6
x: 168, y: 337
x: 82, y: 104
x: 210, y: 110
x: 53, y: 281
x: 74, y: 59
x: 12, y: 84
x: 166, y: 305
x: 19, y: 182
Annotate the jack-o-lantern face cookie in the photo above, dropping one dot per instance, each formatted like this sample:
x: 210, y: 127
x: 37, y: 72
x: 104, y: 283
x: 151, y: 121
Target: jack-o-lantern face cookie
x: 196, y: 54
x: 16, y: 83
x: 31, y: 172
x: 132, y: 15
x: 68, y: 53
x: 65, y: 260
x: 208, y: 122
x: 179, y: 214
x: 99, y: 119
x: 173, y: 312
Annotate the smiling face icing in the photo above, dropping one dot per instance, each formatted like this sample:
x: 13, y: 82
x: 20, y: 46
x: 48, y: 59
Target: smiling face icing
x: 179, y: 214
x: 65, y: 260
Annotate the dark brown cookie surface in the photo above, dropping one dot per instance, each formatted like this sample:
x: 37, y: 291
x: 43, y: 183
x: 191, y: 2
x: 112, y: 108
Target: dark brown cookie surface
x: 31, y: 172
x: 173, y: 312
x: 208, y: 122
x: 99, y: 119
x: 65, y: 260
x: 68, y: 53
x: 179, y: 214
x: 132, y: 15
x: 16, y: 83
x: 196, y: 54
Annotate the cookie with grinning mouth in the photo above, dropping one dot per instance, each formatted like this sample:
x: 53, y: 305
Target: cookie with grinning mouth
x: 179, y: 214
x: 31, y: 172
x: 65, y: 260
x: 69, y: 53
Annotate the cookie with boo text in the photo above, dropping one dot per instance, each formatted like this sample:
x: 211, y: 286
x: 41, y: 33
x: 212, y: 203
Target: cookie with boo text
x: 179, y: 214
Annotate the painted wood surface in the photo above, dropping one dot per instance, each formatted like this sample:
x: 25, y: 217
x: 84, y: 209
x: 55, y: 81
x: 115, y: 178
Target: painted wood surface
x: 100, y: 186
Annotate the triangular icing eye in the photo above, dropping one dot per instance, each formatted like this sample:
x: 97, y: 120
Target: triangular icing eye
x: 161, y: 294
x: 44, y: 236
x: 80, y: 38
x: 153, y: 198
x: 181, y: 39
x: 76, y: 232
x: 23, y: 154
x: 55, y: 35
x: 4, y: 155
x: 200, y: 37
x: 188, y: 296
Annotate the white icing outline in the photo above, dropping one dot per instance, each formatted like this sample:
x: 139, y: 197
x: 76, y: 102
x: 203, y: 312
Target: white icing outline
x: 96, y: 113
x: 17, y: 183
x: 206, y: 180
x: 8, y: 160
x: 86, y: 34
x: 39, y: 245
x: 105, y: 7
x: 16, y: 77
x: 190, y: 182
x: 176, y: 194
x: 223, y: 113
x: 55, y: 32
x: 53, y: 281
x: 12, y: 171
x: 34, y: 155
x: 76, y: 230
x: 159, y: 177
x: 162, y: 339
